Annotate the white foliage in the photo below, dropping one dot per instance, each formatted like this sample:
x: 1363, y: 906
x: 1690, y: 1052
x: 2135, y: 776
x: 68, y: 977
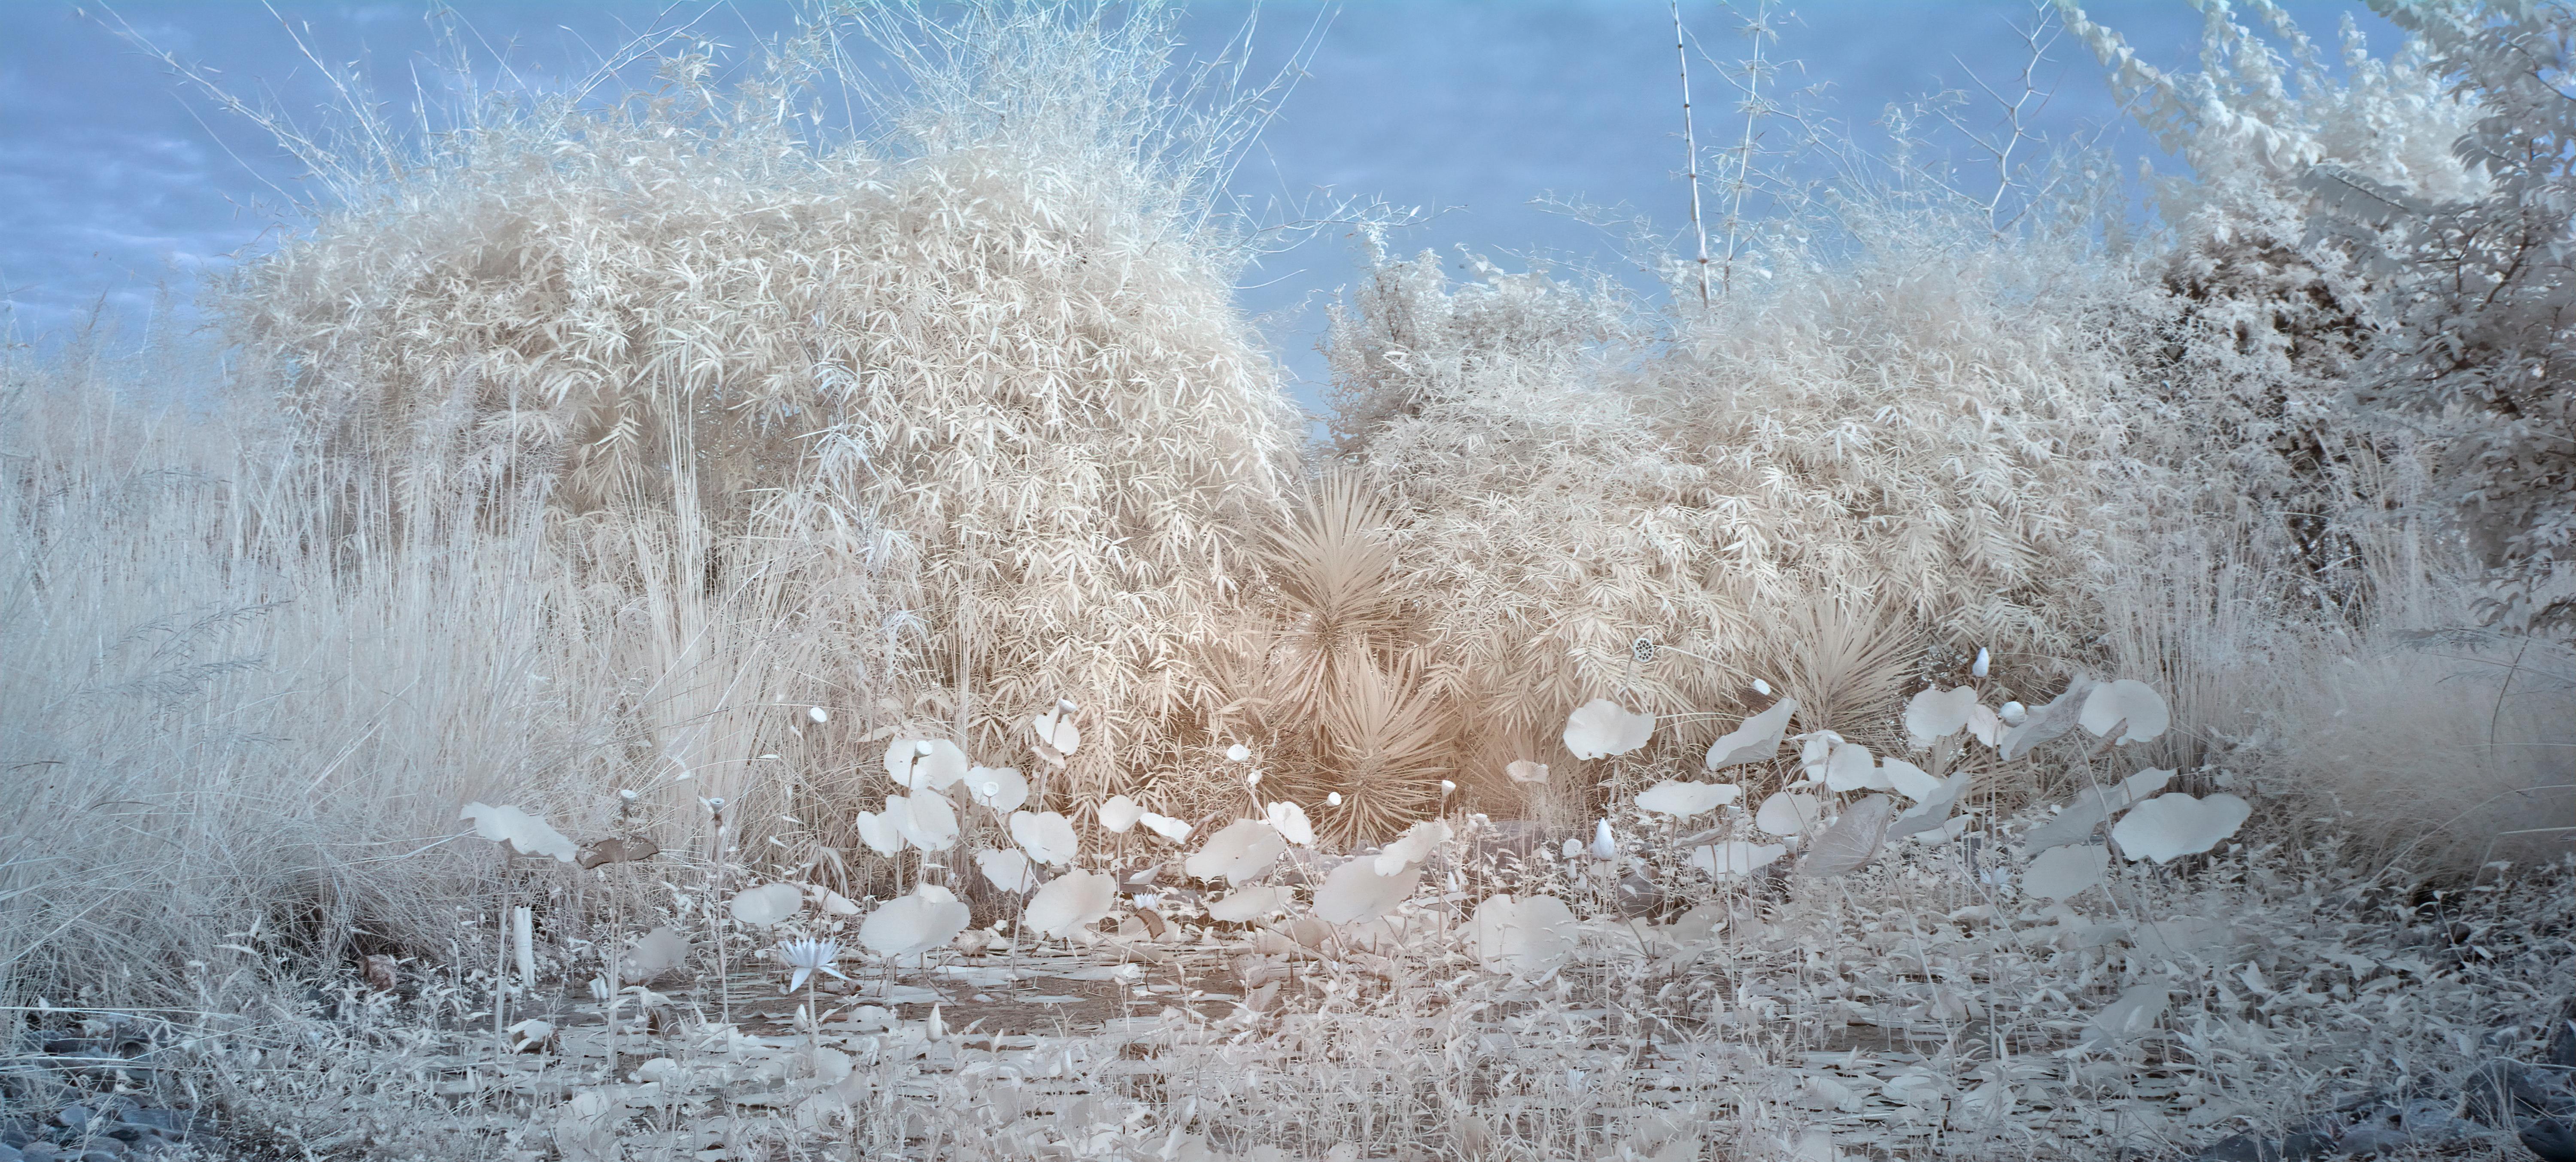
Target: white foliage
x: 1601, y: 728
x: 883, y: 833
x: 1524, y: 937
x: 1788, y: 813
x: 1355, y: 892
x: 1756, y: 740
x: 2061, y: 872
x: 2127, y: 700
x: 915, y: 923
x: 1850, y: 767
x: 1244, y: 905
x: 1007, y: 869
x: 1851, y: 842
x: 1908, y: 780
x: 2170, y: 826
x: 1937, y: 714
x: 1119, y: 813
x: 1525, y: 771
x: 1683, y: 800
x: 1165, y: 826
x: 1735, y: 857
x: 1070, y: 901
x: 1239, y: 852
x: 927, y: 821
x: 768, y: 904
x: 1291, y: 822
x: 1046, y: 835
x: 1415, y: 847
x: 525, y: 833
x: 1000, y: 788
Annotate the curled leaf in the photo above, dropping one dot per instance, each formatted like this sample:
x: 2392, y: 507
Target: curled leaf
x: 1070, y: 901
x: 1682, y: 800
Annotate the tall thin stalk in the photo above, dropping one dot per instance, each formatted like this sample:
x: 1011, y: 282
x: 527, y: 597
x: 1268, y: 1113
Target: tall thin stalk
x: 1690, y: 153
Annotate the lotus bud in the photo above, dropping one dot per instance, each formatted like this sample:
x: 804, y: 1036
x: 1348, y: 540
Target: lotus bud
x: 629, y: 796
x: 1605, y: 846
x: 922, y: 747
x: 1253, y: 779
x: 1979, y: 668
x: 1065, y: 706
x: 1761, y: 687
x: 1448, y: 788
x: 1238, y: 752
x: 2012, y: 713
x: 1333, y: 799
x: 818, y: 714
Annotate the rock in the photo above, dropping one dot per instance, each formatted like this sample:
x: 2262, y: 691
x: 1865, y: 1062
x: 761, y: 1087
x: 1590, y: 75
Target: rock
x: 2562, y: 1037
x: 13, y: 1137
x: 38, y: 1152
x: 2499, y: 1093
x: 2550, y: 1138
x: 9, y: 1153
x: 2248, y: 1148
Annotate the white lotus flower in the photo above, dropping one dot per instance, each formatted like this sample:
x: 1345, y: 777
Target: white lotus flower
x: 1000, y: 788
x: 1755, y: 740
x: 1070, y: 901
x: 1007, y: 869
x: 807, y: 957
x: 1735, y: 858
x: 1291, y: 822
x: 912, y: 924
x: 2126, y: 700
x: 1118, y: 814
x: 768, y: 904
x: 1525, y: 771
x: 1238, y: 752
x: 1165, y: 826
x: 1047, y: 836
x: 1601, y: 728
x: 525, y: 833
x: 1355, y: 892
x: 1238, y: 852
x: 1682, y: 800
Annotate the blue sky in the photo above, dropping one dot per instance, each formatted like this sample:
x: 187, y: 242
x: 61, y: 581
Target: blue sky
x: 116, y: 181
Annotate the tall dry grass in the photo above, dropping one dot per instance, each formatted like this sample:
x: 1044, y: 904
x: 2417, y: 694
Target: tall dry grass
x: 1000, y: 328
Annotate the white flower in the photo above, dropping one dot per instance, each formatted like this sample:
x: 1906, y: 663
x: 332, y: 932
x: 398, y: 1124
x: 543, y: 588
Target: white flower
x: 810, y: 956
x: 1238, y: 752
